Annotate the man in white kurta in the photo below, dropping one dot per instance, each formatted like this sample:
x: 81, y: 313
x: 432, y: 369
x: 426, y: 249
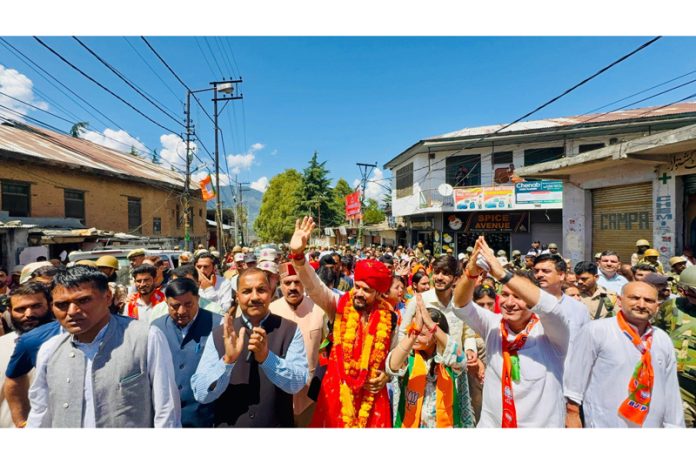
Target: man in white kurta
x: 538, y: 394
x: 600, y: 367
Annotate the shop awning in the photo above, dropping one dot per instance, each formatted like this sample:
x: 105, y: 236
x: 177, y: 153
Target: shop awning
x: 652, y: 149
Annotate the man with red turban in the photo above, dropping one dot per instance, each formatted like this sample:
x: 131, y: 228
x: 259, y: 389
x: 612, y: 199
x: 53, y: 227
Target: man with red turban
x: 353, y: 392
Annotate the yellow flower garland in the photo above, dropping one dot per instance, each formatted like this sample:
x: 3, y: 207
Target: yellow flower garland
x: 373, y: 354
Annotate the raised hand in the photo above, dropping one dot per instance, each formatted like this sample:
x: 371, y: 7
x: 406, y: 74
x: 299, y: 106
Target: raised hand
x: 486, y: 252
x: 303, y: 230
x: 204, y: 282
x: 258, y: 344
x: 234, y: 343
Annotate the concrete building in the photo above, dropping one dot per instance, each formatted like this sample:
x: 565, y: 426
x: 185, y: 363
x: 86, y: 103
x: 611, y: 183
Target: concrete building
x: 644, y: 188
x: 45, y: 174
x: 450, y: 188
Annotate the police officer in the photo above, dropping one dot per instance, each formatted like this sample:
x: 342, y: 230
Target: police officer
x: 641, y: 246
x: 651, y: 256
x: 677, y: 317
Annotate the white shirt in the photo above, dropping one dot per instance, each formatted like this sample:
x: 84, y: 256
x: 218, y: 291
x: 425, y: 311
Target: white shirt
x: 7, y: 345
x: 539, y: 400
x: 220, y: 293
x: 600, y: 367
x: 165, y: 395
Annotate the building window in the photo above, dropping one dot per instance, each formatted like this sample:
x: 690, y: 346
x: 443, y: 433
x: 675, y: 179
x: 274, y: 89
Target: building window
x: 135, y: 220
x: 74, y: 204
x: 15, y: 198
x: 542, y: 155
x: 156, y: 226
x: 463, y: 171
x: 590, y: 147
x: 502, y: 157
x: 404, y: 181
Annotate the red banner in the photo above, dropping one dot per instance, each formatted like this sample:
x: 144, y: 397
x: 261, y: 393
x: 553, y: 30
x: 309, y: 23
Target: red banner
x: 353, y: 205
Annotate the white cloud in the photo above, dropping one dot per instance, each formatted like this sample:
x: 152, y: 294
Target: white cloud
x: 261, y: 184
x: 241, y: 162
x: 19, y: 86
x: 173, y: 152
x: 375, y: 185
x: 117, y: 140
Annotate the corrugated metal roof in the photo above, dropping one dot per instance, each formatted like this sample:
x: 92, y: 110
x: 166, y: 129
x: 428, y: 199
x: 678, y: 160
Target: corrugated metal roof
x: 646, y: 112
x: 53, y: 147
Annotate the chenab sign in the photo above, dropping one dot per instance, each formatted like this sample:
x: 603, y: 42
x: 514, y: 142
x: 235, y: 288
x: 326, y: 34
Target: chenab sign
x: 547, y: 194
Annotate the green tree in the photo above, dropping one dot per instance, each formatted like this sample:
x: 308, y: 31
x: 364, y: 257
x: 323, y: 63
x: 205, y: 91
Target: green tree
x: 316, y: 197
x: 155, y: 157
x: 133, y: 151
x: 340, y: 191
x: 78, y: 128
x: 279, y: 207
x: 373, y: 214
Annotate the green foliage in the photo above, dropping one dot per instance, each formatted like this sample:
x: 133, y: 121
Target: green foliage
x: 341, y: 189
x: 316, y: 197
x: 373, y: 214
x: 78, y: 128
x: 279, y: 207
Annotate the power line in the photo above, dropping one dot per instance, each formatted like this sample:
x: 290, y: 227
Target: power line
x: 156, y: 74
x: 554, y: 99
x: 225, y: 58
x: 177, y: 77
x: 102, y: 86
x: 222, y: 74
x: 210, y: 67
x: 128, y: 82
x: 22, y: 57
x: 234, y: 60
x: 37, y: 108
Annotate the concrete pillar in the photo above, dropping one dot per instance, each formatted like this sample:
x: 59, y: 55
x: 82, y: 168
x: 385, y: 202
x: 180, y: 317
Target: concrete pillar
x: 577, y: 223
x: 664, y: 215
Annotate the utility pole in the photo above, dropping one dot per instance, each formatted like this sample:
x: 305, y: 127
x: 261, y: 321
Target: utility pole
x: 187, y: 192
x: 243, y: 226
x: 229, y: 88
x: 365, y: 172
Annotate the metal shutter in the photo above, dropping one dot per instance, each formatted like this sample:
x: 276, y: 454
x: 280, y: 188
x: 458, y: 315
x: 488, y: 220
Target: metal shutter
x: 620, y: 216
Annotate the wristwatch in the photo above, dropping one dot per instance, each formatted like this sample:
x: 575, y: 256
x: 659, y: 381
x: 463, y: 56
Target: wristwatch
x: 506, y: 278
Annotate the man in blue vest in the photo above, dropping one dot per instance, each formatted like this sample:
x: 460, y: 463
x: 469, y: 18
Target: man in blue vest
x: 187, y: 328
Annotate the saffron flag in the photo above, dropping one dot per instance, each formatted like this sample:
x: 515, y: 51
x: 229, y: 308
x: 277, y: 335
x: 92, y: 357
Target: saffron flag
x: 207, y: 189
x: 353, y: 205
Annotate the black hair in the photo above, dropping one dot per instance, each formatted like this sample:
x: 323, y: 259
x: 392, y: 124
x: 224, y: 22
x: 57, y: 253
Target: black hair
x: 586, y: 266
x: 484, y: 290
x: 559, y: 263
x: 399, y: 278
x: 327, y: 260
x: 610, y: 253
x: 144, y: 269
x: 439, y: 318
x: 203, y: 255
x: 45, y: 271
x: 447, y: 264
x: 31, y: 288
x: 80, y: 274
x: 327, y: 275
x: 386, y: 259
x: 417, y: 277
x: 2, y: 269
x: 347, y: 262
x: 181, y: 286
x: 185, y: 270
x: 643, y: 267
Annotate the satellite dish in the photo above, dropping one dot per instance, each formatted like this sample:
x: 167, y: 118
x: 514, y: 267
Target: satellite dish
x: 445, y: 190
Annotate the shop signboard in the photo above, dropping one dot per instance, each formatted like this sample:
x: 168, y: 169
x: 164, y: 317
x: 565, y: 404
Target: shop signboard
x: 517, y: 221
x: 543, y: 192
x: 498, y: 197
x: 468, y: 199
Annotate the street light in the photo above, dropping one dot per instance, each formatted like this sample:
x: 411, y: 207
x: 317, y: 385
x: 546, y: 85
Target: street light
x: 227, y: 88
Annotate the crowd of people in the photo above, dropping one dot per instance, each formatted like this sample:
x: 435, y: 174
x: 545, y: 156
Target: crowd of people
x: 305, y: 336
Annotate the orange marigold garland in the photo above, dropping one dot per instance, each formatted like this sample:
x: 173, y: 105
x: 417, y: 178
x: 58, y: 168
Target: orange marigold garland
x: 365, y: 354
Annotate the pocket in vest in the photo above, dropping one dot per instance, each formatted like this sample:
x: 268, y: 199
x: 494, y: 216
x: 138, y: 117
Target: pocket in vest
x: 131, y: 390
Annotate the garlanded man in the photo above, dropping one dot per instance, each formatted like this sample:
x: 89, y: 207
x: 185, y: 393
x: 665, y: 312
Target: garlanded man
x: 353, y: 392
x: 623, y: 370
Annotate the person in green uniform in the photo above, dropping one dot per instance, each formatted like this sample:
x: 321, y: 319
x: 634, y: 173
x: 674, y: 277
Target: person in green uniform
x: 677, y: 317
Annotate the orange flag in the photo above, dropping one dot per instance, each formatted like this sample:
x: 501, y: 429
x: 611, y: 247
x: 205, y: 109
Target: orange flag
x: 207, y: 189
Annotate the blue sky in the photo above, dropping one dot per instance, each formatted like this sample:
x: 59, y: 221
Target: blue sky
x: 352, y: 99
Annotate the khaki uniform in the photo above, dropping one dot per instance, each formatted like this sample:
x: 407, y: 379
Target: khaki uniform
x: 602, y: 301
x: 677, y: 317
x: 658, y: 266
x: 673, y: 284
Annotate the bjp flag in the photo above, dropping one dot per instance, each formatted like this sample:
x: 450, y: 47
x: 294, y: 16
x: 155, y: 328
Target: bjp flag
x: 207, y: 189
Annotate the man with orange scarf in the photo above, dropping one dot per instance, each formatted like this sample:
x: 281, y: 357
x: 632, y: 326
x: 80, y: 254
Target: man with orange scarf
x: 526, y: 346
x: 139, y: 305
x: 623, y: 370
x: 353, y: 391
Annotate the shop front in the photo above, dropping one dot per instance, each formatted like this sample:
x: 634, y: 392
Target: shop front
x: 499, y: 227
